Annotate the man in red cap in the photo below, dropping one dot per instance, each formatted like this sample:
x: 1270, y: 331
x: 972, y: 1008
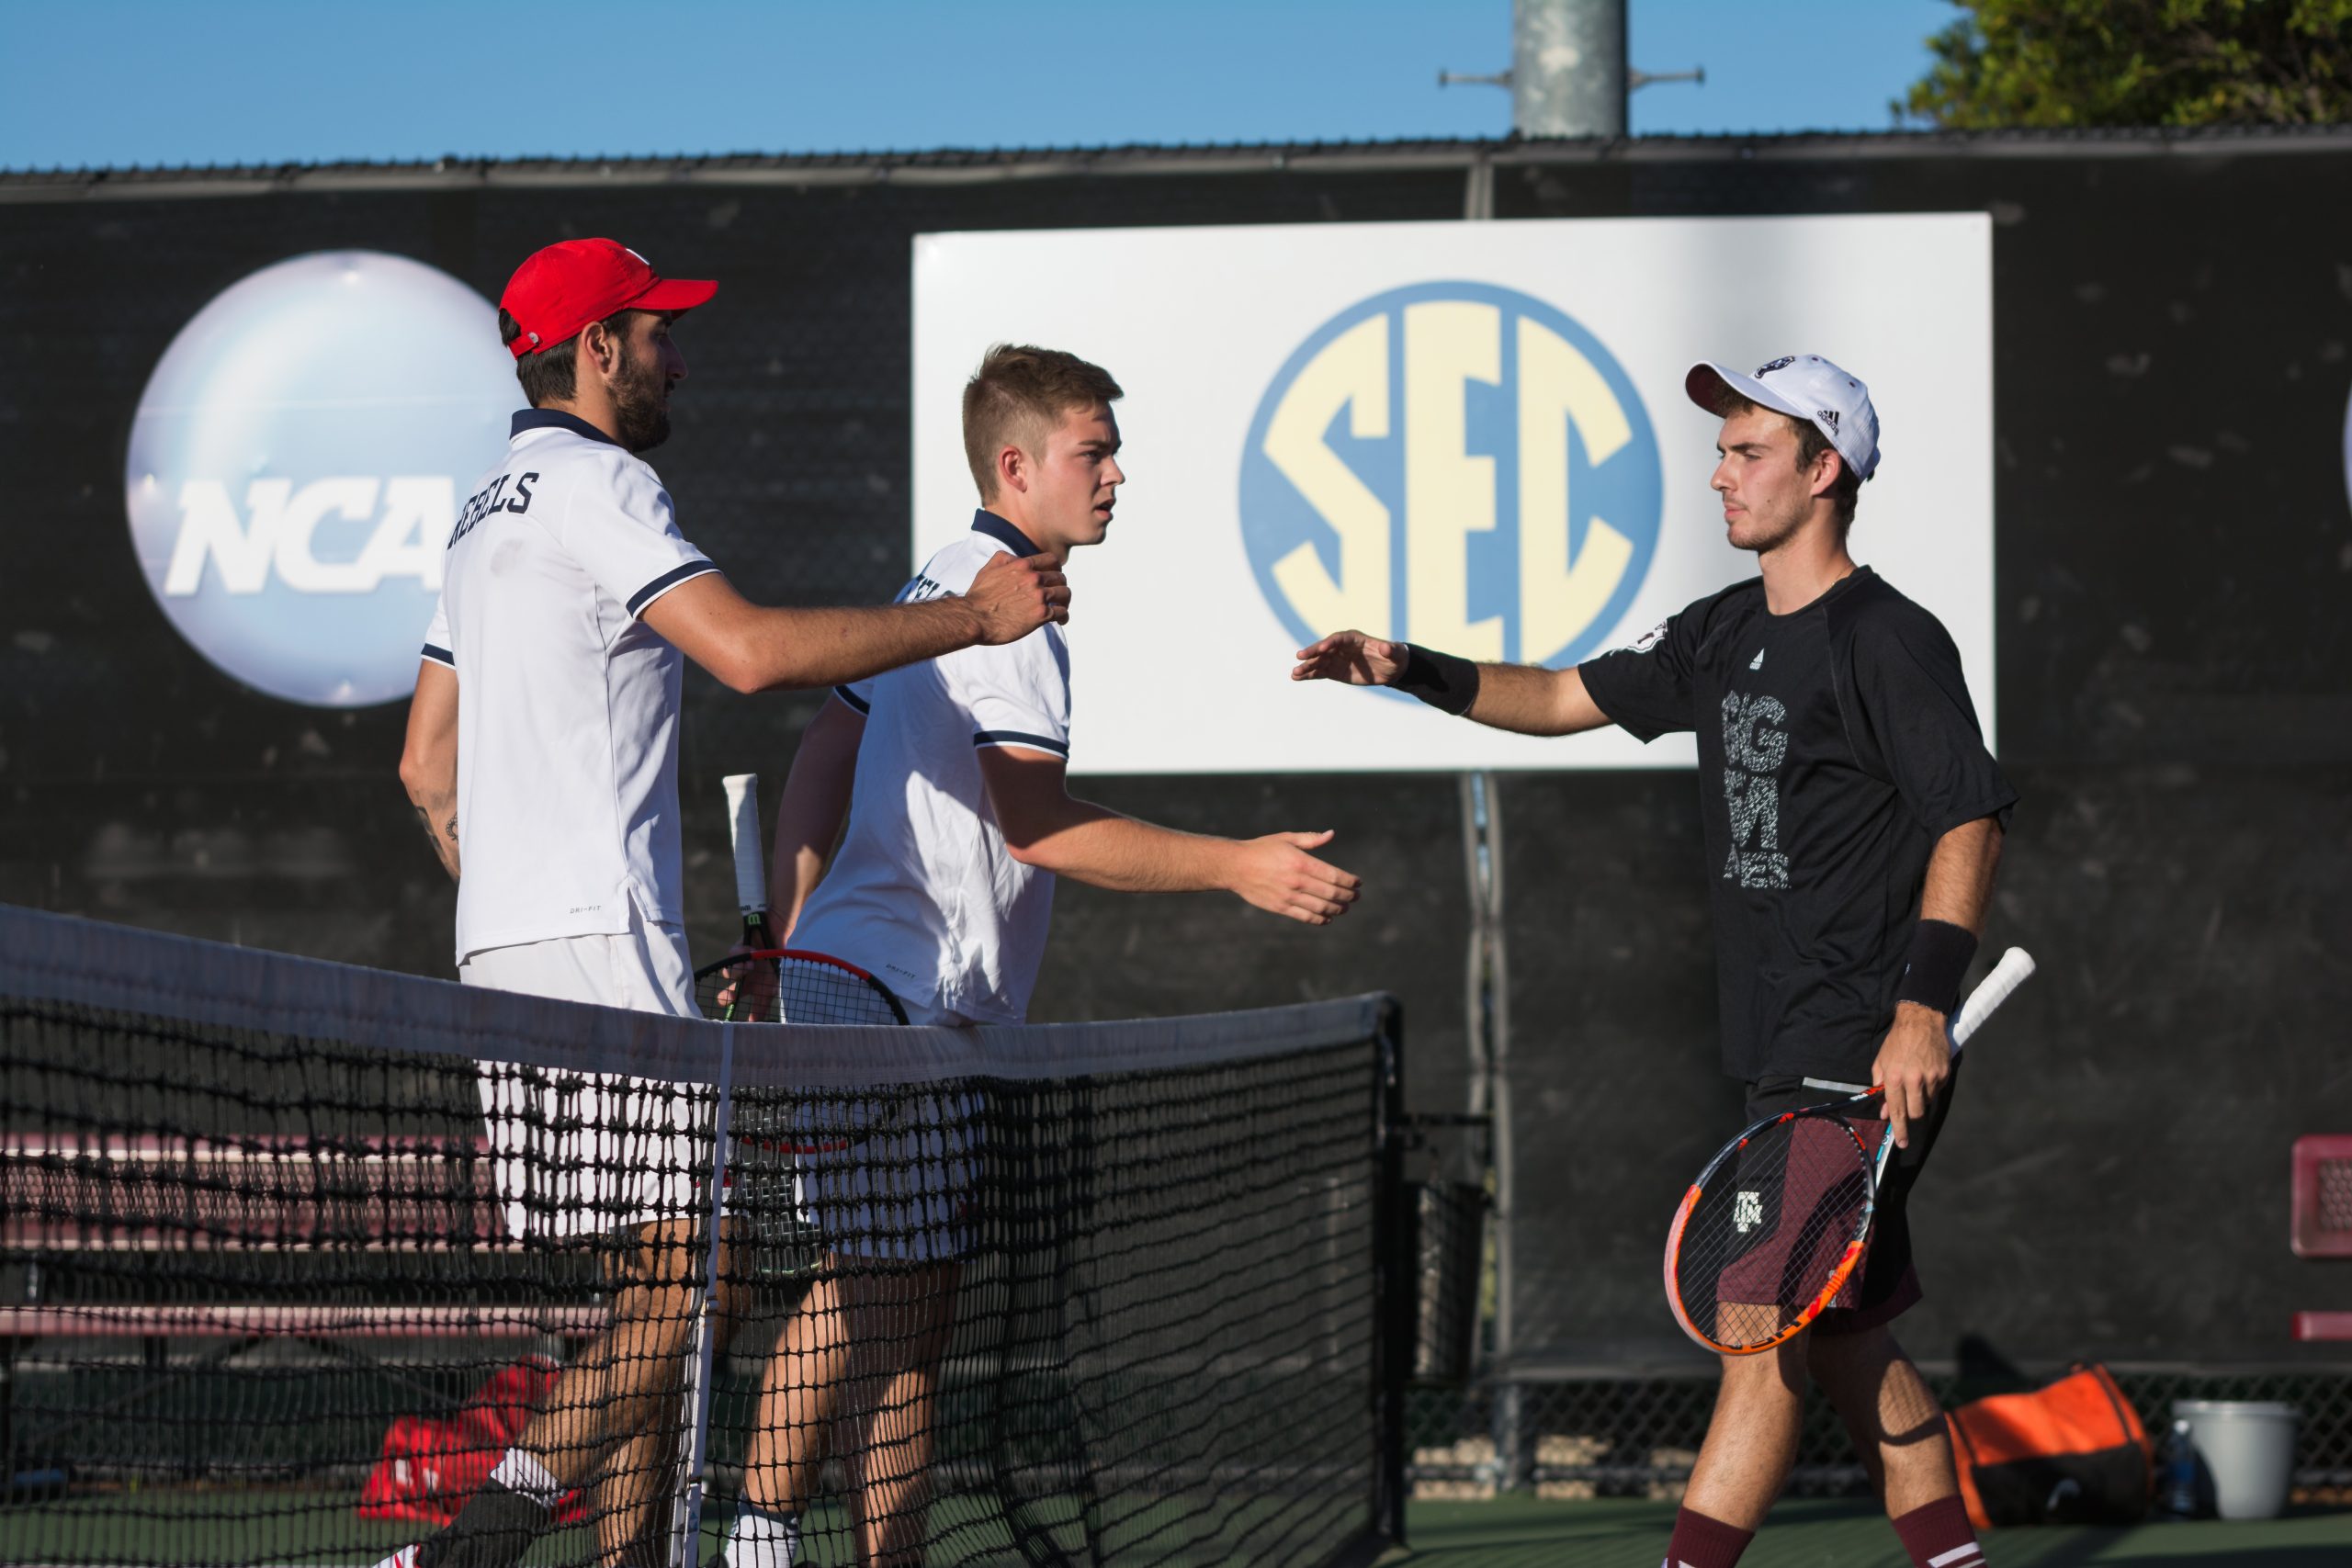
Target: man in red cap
x: 546, y: 720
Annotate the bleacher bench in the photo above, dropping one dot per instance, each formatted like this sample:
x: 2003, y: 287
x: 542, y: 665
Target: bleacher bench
x: 2321, y: 1220
x: 254, y: 1207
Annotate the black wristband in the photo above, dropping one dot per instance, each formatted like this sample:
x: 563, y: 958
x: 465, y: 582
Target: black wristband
x: 1441, y: 680
x: 1939, y: 955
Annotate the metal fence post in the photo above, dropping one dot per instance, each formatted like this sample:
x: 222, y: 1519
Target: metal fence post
x: 1395, y: 1274
x: 703, y: 1366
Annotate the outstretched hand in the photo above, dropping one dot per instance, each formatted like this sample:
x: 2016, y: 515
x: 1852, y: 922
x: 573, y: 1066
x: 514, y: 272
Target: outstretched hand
x: 1352, y: 657
x: 1276, y: 874
x: 1014, y: 595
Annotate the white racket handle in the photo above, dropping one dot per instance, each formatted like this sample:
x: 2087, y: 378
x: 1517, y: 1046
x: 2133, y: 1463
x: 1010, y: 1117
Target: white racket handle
x: 743, y: 836
x: 2014, y: 969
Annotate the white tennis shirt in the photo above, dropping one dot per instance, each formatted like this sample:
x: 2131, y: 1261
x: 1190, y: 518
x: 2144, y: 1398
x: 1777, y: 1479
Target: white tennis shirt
x: 923, y: 893
x: 567, y: 703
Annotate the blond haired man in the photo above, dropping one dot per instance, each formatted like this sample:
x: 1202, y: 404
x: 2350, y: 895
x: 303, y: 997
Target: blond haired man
x: 951, y: 773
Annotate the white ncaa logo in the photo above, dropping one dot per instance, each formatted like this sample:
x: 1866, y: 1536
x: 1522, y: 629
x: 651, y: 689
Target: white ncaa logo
x: 295, y: 464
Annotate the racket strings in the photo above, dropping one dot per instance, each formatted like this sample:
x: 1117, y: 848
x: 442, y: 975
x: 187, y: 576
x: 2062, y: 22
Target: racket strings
x: 811, y: 992
x: 773, y: 988
x: 1771, y: 1228
x: 762, y: 988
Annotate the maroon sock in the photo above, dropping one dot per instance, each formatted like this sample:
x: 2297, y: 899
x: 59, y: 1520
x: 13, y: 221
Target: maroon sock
x: 1701, y: 1542
x: 1937, y: 1535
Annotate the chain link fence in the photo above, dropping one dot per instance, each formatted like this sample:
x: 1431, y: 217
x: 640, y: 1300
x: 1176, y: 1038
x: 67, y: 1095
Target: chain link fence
x: 1637, y: 1435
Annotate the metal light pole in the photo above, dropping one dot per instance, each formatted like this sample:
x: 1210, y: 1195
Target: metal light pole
x: 1568, y: 75
x: 1567, y: 67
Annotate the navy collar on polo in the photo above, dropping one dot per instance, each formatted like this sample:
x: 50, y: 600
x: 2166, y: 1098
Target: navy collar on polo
x: 556, y: 419
x: 1003, y: 533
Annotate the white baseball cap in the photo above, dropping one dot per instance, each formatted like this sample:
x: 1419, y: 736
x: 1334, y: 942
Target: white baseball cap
x: 1805, y: 386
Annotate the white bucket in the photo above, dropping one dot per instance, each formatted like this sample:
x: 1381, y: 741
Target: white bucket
x: 2248, y: 1449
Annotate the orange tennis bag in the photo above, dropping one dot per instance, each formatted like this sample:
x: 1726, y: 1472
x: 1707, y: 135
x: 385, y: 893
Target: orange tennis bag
x: 2072, y: 1452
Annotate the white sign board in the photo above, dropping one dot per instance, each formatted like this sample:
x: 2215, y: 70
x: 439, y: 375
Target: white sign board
x: 1473, y: 436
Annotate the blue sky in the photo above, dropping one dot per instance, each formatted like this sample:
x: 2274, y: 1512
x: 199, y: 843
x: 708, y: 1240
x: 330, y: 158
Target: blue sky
x: 146, y: 82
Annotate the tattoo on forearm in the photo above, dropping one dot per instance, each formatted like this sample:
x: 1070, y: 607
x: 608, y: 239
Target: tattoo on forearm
x: 444, y: 840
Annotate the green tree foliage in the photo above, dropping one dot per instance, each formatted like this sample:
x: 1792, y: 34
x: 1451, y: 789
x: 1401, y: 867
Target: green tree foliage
x: 2125, y: 62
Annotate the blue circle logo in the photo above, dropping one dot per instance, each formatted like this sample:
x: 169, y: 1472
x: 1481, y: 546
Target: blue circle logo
x: 1456, y: 463
x: 295, y: 467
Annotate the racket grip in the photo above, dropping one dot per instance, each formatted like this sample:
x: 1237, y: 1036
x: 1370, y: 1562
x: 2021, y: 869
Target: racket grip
x: 743, y: 838
x: 2014, y: 969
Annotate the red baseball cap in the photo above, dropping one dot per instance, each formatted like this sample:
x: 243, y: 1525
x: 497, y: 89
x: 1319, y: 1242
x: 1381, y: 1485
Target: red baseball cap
x: 561, y: 289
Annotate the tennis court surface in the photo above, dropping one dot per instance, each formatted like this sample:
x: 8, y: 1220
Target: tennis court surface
x: 278, y: 1289
x: 1813, y: 1533
x: 1504, y: 1533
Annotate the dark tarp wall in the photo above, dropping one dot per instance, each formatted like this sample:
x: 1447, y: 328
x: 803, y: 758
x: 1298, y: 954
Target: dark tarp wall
x: 2173, y: 570
x: 140, y: 785
x: 2171, y: 321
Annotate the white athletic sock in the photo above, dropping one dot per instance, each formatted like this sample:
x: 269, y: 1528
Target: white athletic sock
x: 762, y: 1539
x: 520, y: 1471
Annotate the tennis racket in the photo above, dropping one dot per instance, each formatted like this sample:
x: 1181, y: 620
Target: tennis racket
x: 751, y: 874
x: 785, y: 985
x: 1775, y: 1226
x: 769, y: 984
x: 765, y: 983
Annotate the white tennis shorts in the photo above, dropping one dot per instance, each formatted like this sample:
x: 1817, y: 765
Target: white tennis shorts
x: 889, y: 1177
x: 628, y: 1151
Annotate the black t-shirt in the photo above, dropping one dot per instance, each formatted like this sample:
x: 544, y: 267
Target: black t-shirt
x: 1836, y: 744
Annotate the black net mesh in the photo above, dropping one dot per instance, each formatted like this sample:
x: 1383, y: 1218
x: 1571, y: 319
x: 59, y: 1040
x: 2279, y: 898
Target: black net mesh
x: 282, y: 1283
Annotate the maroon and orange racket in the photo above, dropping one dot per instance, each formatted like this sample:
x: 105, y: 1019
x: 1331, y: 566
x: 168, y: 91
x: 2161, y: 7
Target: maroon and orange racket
x: 1773, y: 1231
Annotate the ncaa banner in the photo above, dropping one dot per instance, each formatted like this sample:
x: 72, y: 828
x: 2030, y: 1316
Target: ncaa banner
x: 294, y: 467
x: 1471, y: 436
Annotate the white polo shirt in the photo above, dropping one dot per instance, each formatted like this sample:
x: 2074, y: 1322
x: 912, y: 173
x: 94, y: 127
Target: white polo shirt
x: 567, y: 703
x: 923, y: 892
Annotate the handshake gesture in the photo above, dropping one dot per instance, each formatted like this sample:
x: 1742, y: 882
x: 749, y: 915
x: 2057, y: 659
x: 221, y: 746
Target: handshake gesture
x: 1351, y: 659
x: 1528, y: 699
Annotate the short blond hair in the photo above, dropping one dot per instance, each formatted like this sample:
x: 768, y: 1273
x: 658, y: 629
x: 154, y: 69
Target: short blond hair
x: 1018, y: 395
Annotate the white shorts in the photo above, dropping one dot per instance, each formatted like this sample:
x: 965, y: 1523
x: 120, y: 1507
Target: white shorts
x: 886, y: 1177
x: 628, y: 1150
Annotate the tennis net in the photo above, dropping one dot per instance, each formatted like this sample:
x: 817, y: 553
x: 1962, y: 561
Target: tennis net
x: 294, y: 1257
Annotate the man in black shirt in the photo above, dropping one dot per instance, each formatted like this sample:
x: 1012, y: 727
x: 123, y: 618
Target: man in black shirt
x: 1853, y: 819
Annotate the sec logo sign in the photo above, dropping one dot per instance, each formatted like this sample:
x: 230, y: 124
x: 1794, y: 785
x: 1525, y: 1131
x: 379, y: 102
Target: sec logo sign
x: 295, y: 463
x: 1456, y: 463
